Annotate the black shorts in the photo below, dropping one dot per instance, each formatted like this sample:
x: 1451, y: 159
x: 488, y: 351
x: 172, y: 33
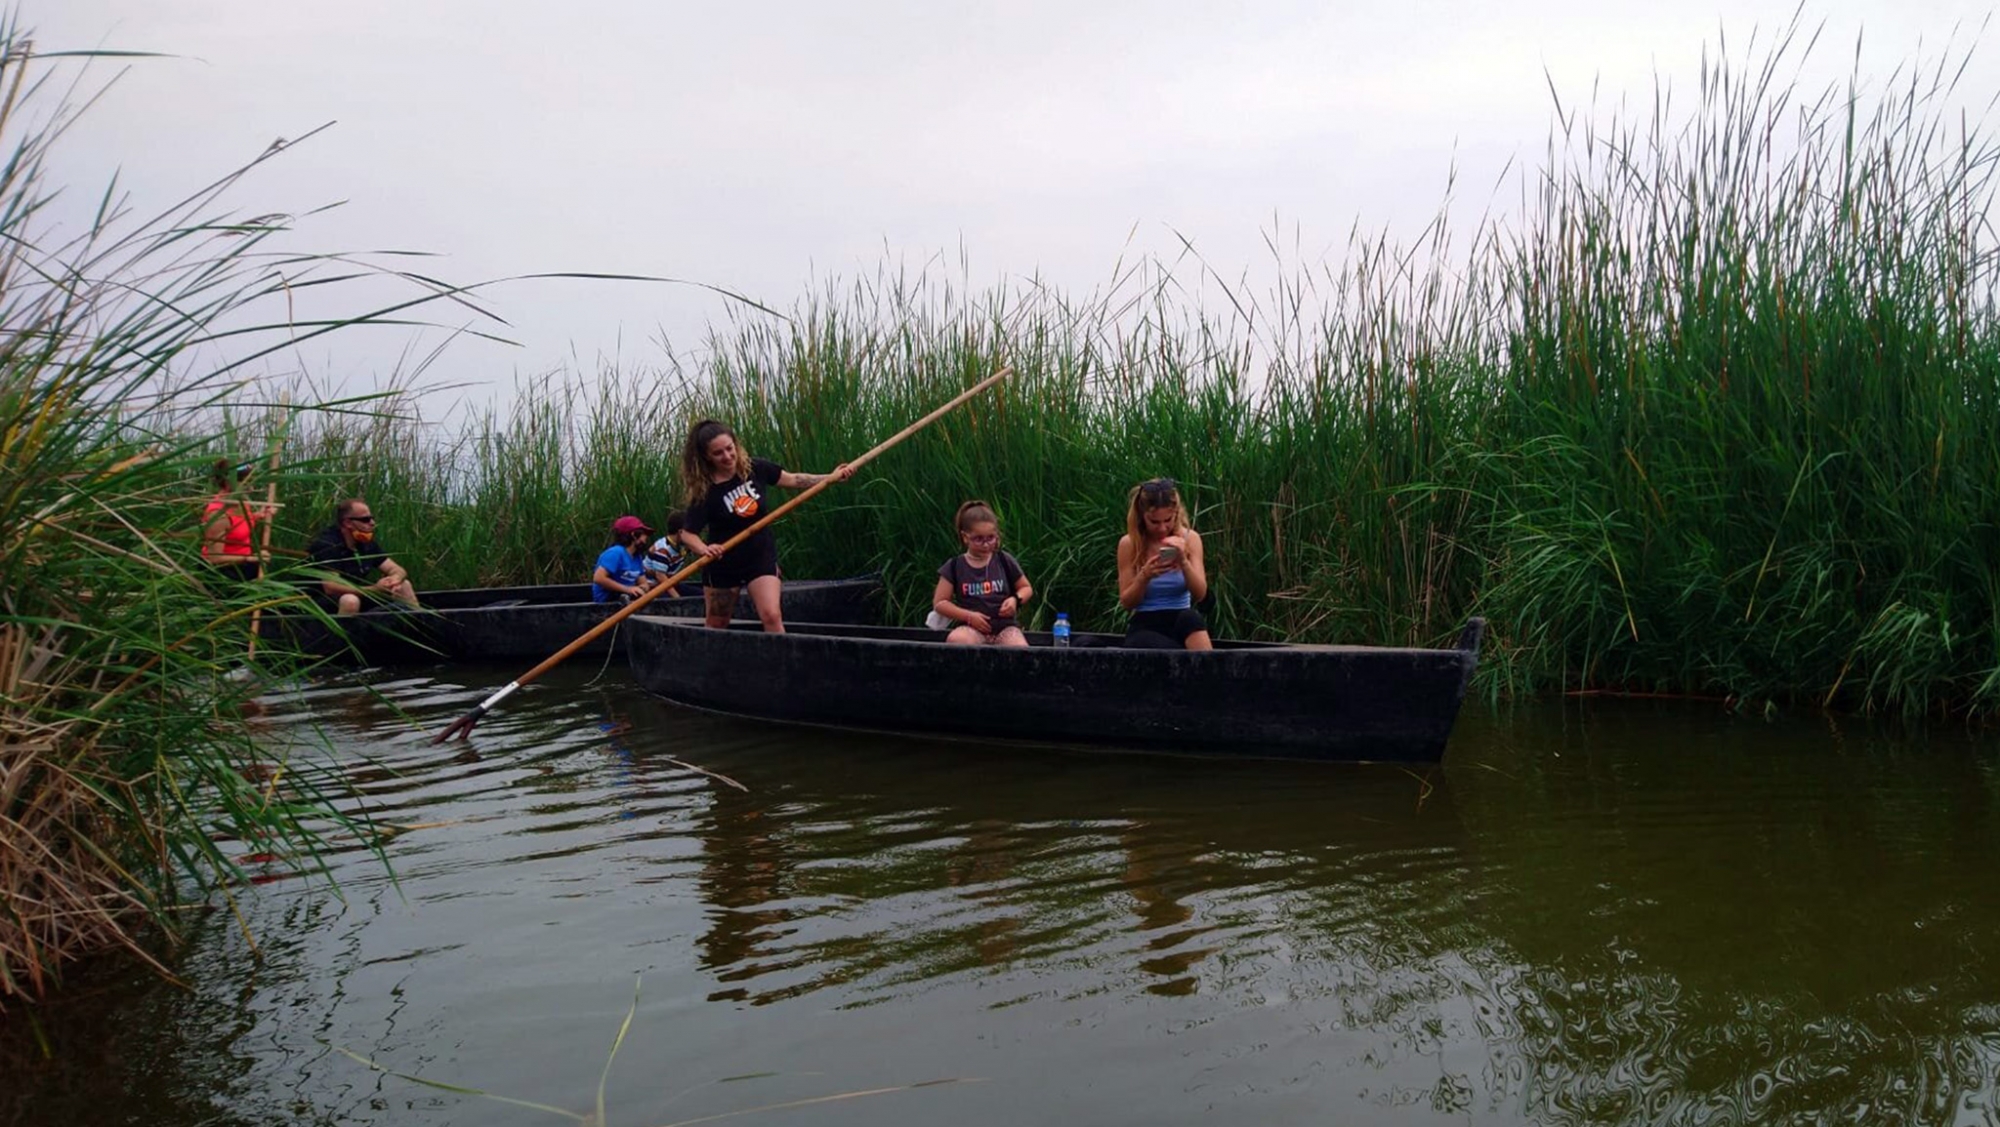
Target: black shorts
x: 753, y: 559
x: 686, y: 588
x: 234, y: 570
x: 1164, y: 629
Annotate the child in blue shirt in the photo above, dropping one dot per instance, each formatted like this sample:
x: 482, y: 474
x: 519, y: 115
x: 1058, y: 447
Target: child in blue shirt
x: 621, y: 568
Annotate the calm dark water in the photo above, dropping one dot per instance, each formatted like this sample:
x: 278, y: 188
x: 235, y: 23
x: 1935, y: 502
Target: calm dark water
x: 1613, y: 915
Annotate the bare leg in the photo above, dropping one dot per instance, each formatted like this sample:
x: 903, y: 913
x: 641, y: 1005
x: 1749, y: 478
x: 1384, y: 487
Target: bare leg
x: 1199, y: 640
x: 721, y: 606
x: 349, y: 604
x: 767, y: 595
x: 964, y: 636
x: 1012, y: 636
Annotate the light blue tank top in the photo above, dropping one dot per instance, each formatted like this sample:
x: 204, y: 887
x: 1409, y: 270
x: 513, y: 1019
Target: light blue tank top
x: 1166, y: 592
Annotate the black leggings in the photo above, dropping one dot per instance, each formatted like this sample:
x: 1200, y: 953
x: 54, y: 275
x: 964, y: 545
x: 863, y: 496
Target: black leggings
x: 1164, y: 629
x: 235, y: 569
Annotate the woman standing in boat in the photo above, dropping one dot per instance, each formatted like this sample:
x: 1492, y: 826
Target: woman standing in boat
x: 725, y: 495
x: 1161, y: 571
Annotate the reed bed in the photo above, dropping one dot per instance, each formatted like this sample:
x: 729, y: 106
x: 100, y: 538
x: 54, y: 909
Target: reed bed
x: 133, y: 774
x: 1710, y: 413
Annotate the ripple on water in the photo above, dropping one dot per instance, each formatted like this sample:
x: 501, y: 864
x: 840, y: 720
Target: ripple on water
x: 1651, y: 926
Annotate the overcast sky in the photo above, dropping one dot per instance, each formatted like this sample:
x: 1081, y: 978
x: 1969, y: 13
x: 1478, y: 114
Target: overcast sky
x: 761, y: 147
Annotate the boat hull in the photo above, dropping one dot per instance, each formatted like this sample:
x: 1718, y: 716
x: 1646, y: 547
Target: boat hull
x: 513, y: 624
x: 1344, y: 703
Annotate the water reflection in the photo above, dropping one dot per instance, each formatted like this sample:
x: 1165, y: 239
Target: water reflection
x: 885, y: 866
x: 1799, y: 936
x: 991, y: 854
x: 1149, y: 877
x: 1619, y: 916
x: 743, y: 876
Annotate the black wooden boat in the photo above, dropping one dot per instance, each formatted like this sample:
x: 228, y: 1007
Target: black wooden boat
x: 1246, y: 699
x: 528, y: 623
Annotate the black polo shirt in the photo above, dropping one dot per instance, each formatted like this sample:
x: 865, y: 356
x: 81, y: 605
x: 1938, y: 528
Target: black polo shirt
x: 356, y: 565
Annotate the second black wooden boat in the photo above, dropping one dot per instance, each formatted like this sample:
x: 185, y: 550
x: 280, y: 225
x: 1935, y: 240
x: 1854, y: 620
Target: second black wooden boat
x: 527, y: 623
x: 1244, y: 699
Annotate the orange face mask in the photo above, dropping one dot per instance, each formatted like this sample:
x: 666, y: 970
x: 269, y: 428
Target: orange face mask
x: 364, y: 536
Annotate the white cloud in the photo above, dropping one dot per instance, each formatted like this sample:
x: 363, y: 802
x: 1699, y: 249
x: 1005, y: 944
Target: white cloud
x: 750, y: 146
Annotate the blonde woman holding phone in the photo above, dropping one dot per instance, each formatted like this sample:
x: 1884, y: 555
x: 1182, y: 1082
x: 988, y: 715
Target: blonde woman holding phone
x: 1161, y: 572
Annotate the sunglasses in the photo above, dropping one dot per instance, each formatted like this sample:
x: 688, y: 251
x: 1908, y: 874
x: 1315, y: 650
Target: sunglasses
x: 1158, y: 487
x: 361, y: 520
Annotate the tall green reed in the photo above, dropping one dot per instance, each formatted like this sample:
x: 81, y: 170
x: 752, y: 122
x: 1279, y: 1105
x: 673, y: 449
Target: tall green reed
x: 1747, y: 408
x: 1710, y: 413
x: 133, y: 770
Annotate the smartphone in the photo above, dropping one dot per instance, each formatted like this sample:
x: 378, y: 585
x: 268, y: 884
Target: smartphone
x: 1170, y: 554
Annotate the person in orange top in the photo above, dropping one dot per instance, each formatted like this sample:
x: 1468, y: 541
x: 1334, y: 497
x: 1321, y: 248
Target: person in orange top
x: 229, y: 522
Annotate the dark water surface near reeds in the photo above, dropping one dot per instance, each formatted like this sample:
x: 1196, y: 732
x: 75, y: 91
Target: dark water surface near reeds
x: 1612, y: 914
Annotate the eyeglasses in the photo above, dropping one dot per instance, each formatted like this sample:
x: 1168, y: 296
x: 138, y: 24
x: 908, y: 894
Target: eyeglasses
x: 1158, y: 487
x: 361, y: 520
x: 993, y: 539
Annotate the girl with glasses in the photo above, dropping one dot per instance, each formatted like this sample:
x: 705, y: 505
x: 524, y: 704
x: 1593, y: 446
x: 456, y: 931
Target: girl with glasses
x: 1161, y: 572
x: 980, y: 592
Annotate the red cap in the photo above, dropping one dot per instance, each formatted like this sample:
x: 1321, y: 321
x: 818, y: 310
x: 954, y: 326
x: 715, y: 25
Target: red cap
x: 626, y: 526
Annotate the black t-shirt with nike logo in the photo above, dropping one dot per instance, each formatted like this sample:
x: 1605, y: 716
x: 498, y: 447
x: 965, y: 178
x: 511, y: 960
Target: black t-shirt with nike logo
x: 730, y: 507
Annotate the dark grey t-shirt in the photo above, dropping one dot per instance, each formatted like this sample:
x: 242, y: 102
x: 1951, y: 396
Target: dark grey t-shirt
x: 981, y: 588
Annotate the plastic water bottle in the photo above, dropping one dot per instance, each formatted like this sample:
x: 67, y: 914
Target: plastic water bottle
x: 1061, y: 630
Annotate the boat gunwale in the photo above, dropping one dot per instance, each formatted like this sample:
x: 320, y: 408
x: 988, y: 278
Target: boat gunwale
x: 389, y: 635
x: 839, y: 632
x: 871, y: 578
x: 385, y: 611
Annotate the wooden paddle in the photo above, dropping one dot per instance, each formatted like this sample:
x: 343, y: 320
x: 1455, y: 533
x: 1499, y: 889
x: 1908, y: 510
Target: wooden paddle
x: 462, y: 727
x: 270, y: 518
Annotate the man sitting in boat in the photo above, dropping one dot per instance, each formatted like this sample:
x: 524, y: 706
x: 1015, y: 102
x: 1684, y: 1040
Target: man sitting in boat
x: 352, y: 553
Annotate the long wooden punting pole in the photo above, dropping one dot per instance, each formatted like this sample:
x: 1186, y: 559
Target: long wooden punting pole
x: 270, y: 518
x: 462, y: 727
